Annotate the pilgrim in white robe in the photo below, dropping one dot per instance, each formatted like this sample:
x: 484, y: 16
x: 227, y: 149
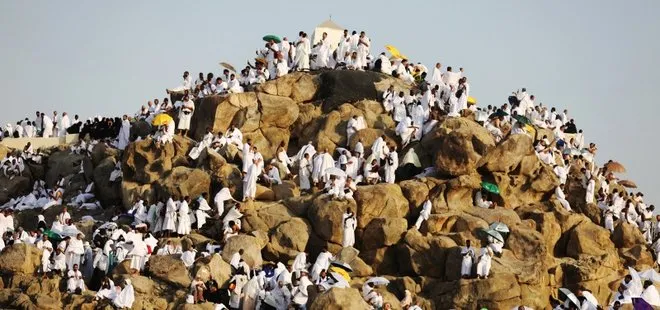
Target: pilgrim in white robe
x: 350, y: 223
x: 73, y: 252
x: 323, y: 53
x: 183, y: 227
x: 169, y: 222
x: 220, y: 198
x: 48, y: 127
x: 561, y: 197
x: 138, y: 254
x: 379, y: 149
x: 126, y: 297
x: 651, y: 296
x: 284, y: 159
x: 436, y: 77
x: 399, y: 107
x: 424, y: 214
x: 303, y: 51
x: 322, y: 263
x: 591, y: 189
x: 354, y: 125
x: 391, y: 163
x: 304, y: 172
x: 250, y: 182
x: 248, y: 156
x: 47, y: 248
x: 322, y: 162
x: 124, y: 135
x: 466, y: 264
x: 495, y: 244
x: 388, y: 100
x: 405, y: 130
x: 483, y: 267
x: 75, y: 281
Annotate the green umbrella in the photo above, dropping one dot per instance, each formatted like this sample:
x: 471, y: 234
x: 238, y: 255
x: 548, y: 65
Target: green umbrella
x: 490, y: 187
x: 498, y: 113
x: 522, y: 119
x: 52, y: 235
x: 273, y: 37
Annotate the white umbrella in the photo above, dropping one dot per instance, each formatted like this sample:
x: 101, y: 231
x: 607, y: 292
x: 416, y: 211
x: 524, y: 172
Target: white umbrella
x: 570, y: 296
x: 650, y: 274
x: 635, y: 288
x: 494, y: 234
x: 590, y: 299
x: 336, y: 172
x: 499, y: 227
x: 378, y: 281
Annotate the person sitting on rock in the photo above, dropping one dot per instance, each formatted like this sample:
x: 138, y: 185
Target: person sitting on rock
x: 561, y: 197
x: 272, y: 175
x: 481, y: 201
x: 197, y: 289
x: 75, y: 282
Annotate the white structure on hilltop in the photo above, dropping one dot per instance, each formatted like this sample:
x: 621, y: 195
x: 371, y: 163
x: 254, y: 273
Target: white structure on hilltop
x: 334, y: 31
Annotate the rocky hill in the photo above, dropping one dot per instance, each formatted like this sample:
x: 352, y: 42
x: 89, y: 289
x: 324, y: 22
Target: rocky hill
x: 547, y: 247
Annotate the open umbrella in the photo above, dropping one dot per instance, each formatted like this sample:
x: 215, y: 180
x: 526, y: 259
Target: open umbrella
x: 52, y: 235
x: 228, y: 66
x: 342, y: 265
x: 495, y: 234
x: 395, y: 52
x: 378, y: 281
x: 522, y: 119
x: 499, y: 227
x: 161, y: 119
x: 570, y: 296
x: 627, y: 183
x: 272, y: 37
x: 614, y: 166
x: 650, y: 274
x: 490, y: 187
x: 336, y: 172
x: 498, y: 113
x: 472, y: 100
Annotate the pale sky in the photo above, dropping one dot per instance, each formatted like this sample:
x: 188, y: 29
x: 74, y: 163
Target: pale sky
x: 598, y: 59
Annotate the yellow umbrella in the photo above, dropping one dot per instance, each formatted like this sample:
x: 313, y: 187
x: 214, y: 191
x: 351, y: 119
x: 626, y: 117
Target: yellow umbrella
x: 161, y: 119
x: 472, y: 100
x: 395, y: 52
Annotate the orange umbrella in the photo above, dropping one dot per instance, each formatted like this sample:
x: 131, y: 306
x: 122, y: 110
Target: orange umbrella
x: 614, y: 166
x: 627, y: 183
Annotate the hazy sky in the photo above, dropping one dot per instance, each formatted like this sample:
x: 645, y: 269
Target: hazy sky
x: 598, y: 59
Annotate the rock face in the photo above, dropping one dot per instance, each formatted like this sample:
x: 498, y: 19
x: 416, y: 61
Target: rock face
x: 171, y: 269
x: 339, y: 298
x: 458, y: 144
x: 547, y: 248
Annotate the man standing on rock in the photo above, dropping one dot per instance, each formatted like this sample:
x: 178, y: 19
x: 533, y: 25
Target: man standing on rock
x: 468, y: 258
x: 250, y: 181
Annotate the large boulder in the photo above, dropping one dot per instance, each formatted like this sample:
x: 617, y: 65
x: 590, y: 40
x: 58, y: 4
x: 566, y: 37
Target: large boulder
x: 108, y: 193
x: 325, y: 215
x: 424, y: 256
x: 251, y: 247
x: 20, y: 258
x: 457, y: 145
x: 507, y: 155
x: 212, y: 267
x: 169, y: 268
x: 182, y: 182
x: 381, y: 232
x: 61, y: 164
x: 288, y: 239
x: 145, y: 162
x: 13, y: 188
x: 380, y: 201
x: 338, y: 299
x: 339, y: 87
x: 626, y: 235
